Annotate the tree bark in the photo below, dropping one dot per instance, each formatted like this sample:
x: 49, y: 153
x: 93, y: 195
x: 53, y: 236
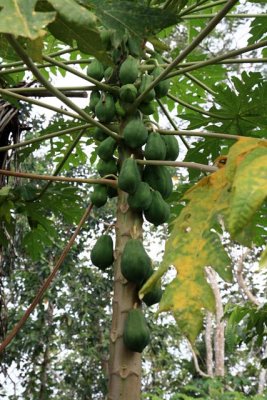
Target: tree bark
x: 124, y: 365
x: 219, y: 330
x: 208, y: 343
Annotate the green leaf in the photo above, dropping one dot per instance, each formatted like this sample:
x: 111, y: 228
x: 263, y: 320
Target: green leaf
x: 136, y: 18
x: 75, y: 22
x: 20, y: 19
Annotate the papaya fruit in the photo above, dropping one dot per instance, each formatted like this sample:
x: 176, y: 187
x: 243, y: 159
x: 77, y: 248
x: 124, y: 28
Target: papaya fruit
x: 108, y: 73
x: 105, y: 108
x: 94, y: 99
x: 153, y: 296
x: 102, y: 252
x: 128, y: 93
x: 129, y: 71
x: 135, y: 133
x: 120, y: 110
x: 105, y: 36
x: 134, y: 46
x: 145, y: 82
x: 129, y: 176
x: 107, y: 167
x: 155, y: 148
x: 141, y: 198
x: 99, y: 134
x: 161, y: 89
x: 147, y: 108
x: 99, y: 196
x: 136, y: 334
x: 95, y: 70
x: 106, y: 148
x: 158, y: 211
x: 172, y: 147
x: 159, y: 178
x: 135, y: 262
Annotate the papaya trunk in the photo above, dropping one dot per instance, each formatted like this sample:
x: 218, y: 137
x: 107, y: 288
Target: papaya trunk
x: 124, y: 365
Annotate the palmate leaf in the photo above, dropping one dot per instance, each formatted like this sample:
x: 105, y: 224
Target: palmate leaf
x: 19, y: 18
x: 195, y: 241
x: 76, y: 23
x: 134, y: 17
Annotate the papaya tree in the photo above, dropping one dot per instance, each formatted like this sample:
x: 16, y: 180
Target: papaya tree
x: 142, y: 90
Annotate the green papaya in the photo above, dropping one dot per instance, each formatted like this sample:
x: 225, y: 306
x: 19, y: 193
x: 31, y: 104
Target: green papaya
x: 105, y: 108
x: 135, y: 262
x: 147, y: 108
x: 129, y: 176
x: 154, y: 295
x: 136, y: 334
x: 105, y: 36
x: 159, y: 210
x: 99, y: 196
x: 159, y: 178
x: 163, y: 86
x: 94, y: 99
x: 112, y: 191
x: 155, y: 148
x: 108, y: 73
x: 106, y: 148
x: 102, y: 252
x: 172, y: 147
x: 135, y: 133
x: 145, y: 82
x: 120, y: 111
x: 107, y: 167
x: 141, y: 198
x: 134, y: 46
x: 128, y: 72
x: 95, y: 70
x: 99, y: 134
x: 128, y: 93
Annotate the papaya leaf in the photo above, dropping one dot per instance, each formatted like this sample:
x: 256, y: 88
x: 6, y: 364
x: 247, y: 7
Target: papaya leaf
x: 263, y: 258
x: 249, y: 188
x: 137, y: 18
x: 28, y: 22
x: 234, y: 194
x: 76, y: 23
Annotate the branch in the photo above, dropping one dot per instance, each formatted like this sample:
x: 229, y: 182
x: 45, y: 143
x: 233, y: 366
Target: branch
x: 39, y: 103
x: 227, y: 16
x: 23, y: 55
x: 62, y: 162
x: 241, y: 282
x: 166, y: 113
x: 197, y: 367
x: 198, y: 39
x: 104, y: 181
x: 216, y: 60
x: 197, y: 109
x: 200, y: 134
x: 45, y: 137
x: 73, y: 71
x: 46, y: 283
x: 181, y: 164
x: 200, y: 83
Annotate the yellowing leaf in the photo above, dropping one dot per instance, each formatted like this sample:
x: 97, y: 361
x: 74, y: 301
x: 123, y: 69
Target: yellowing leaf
x: 249, y: 189
x: 263, y: 259
x: 18, y: 17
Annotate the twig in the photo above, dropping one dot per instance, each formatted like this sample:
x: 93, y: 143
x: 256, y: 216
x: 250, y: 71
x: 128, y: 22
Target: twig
x: 197, y: 367
x: 46, y: 283
x: 241, y: 281
x: 104, y: 181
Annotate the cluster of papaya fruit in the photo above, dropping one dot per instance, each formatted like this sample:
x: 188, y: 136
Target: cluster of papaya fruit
x: 147, y: 188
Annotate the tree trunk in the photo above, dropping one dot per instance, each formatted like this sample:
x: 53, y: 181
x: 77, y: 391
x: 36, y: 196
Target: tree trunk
x: 208, y: 343
x: 124, y: 365
x: 219, y: 329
